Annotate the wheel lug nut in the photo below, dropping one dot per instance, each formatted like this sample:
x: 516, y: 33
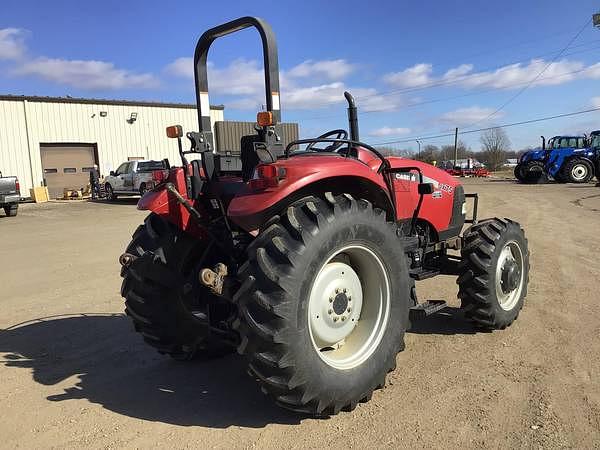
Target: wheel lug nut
x: 344, y: 290
x: 330, y: 311
x: 337, y: 291
x: 335, y: 319
x: 330, y: 299
x: 343, y: 318
x: 349, y: 309
x: 349, y: 298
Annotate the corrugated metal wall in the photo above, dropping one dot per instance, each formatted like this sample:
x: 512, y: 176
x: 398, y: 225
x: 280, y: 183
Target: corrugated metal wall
x: 228, y: 134
x: 25, y: 124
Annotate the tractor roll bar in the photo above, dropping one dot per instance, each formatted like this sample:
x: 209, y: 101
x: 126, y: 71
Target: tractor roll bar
x: 271, y: 66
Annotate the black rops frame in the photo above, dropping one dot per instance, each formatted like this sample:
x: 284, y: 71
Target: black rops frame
x: 271, y: 68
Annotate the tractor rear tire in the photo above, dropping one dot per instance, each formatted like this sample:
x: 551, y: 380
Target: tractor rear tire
x: 158, y: 287
x: 494, y: 272
x: 287, y: 308
x: 577, y: 171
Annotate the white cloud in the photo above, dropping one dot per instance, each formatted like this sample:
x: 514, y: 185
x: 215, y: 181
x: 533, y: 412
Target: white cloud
x: 595, y: 102
x: 390, y: 131
x: 313, y: 97
x: 332, y: 69
x: 515, y: 75
x: 466, y: 116
x: 85, y: 74
x: 181, y: 67
x: 413, y: 76
x: 240, y: 77
x: 458, y: 71
x: 12, y: 45
x: 511, y: 76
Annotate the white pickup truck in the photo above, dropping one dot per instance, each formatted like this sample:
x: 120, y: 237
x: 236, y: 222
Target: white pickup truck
x: 132, y: 178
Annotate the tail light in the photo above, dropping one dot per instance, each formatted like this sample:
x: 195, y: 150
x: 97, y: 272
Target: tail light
x: 266, y: 176
x: 160, y: 176
x: 18, y: 186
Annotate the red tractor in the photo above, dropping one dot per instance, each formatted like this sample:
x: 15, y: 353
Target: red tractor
x: 305, y: 260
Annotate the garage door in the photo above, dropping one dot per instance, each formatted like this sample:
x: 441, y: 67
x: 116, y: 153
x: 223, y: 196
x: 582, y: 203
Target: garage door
x: 66, y: 166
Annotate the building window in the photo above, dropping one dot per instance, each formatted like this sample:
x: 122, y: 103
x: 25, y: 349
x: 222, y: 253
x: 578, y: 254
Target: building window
x: 87, y: 169
x: 70, y: 170
x: 50, y: 170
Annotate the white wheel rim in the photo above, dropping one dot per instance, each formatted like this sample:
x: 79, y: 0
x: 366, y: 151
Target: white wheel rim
x: 349, y: 307
x: 579, y: 172
x: 511, y: 253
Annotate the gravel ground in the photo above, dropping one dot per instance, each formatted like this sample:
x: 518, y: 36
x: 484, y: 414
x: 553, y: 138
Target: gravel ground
x: 75, y: 374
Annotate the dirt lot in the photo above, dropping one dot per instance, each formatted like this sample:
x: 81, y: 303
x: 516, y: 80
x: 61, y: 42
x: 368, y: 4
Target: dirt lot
x: 74, y: 374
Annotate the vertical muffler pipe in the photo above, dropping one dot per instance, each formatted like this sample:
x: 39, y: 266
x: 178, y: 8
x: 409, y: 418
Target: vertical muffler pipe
x: 543, y: 142
x: 352, y: 117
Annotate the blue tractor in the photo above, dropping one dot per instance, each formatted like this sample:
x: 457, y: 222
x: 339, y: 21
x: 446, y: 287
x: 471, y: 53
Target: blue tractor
x: 567, y: 159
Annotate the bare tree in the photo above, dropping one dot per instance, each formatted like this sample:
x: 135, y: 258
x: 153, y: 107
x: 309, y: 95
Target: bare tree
x: 429, y: 153
x: 495, y: 144
x: 447, y: 152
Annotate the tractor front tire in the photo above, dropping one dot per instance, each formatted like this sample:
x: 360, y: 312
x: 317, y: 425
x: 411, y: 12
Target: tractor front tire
x: 324, y: 304
x: 535, y: 173
x: 494, y: 272
x: 519, y: 172
x: 577, y: 171
x: 159, y: 287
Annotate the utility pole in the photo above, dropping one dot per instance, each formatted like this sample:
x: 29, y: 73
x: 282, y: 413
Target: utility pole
x: 455, y: 145
x: 419, y: 151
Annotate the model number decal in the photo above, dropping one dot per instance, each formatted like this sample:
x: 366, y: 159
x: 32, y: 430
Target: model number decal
x: 446, y: 187
x: 436, y: 184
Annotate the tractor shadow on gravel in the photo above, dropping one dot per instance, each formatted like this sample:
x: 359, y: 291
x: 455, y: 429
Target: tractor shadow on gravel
x: 447, y: 322
x: 115, y: 369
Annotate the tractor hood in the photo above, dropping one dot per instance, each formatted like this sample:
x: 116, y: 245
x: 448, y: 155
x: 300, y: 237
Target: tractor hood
x: 532, y: 155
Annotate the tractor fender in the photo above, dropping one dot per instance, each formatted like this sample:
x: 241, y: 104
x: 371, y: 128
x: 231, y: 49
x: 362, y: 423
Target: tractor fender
x: 562, y: 156
x: 307, y: 175
x: 252, y: 210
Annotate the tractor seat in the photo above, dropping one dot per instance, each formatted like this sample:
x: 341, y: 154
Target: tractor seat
x: 248, y: 154
x: 227, y: 190
x: 352, y: 152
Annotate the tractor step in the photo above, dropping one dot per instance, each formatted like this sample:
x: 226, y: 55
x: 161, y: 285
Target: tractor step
x: 423, y: 310
x: 423, y: 274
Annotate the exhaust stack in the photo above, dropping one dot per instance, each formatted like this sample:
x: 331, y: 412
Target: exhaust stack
x: 352, y: 117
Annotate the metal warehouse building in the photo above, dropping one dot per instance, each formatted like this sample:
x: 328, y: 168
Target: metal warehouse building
x: 45, y: 135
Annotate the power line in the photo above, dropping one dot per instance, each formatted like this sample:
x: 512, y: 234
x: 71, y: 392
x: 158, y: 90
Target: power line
x: 506, y: 125
x: 533, y: 80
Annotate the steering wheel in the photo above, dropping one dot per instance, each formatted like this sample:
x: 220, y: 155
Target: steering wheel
x: 332, y: 146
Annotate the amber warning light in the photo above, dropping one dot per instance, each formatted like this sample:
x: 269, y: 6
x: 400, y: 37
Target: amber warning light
x: 264, y: 118
x: 174, y: 131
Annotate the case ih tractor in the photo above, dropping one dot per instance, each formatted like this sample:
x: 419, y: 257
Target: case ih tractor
x: 306, y: 259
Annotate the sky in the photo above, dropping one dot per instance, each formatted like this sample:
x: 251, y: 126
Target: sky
x: 417, y: 69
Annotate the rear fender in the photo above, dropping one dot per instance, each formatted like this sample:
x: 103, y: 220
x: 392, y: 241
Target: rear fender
x: 163, y: 203
x: 251, y: 210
